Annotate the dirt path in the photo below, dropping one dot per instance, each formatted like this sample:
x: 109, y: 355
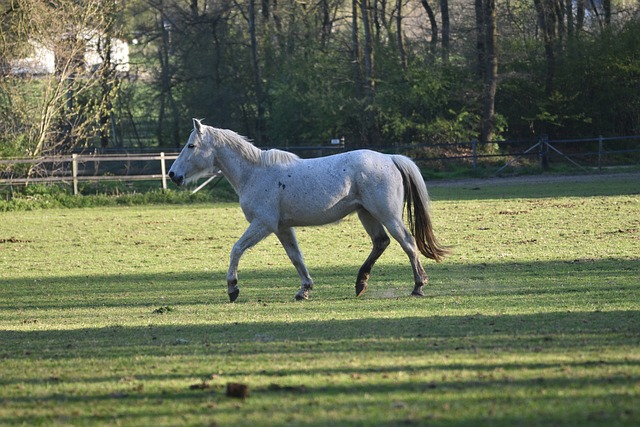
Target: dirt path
x: 536, y: 179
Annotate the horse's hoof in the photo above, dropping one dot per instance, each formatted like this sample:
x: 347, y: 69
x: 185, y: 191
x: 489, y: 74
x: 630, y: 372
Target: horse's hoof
x: 234, y: 295
x: 417, y: 290
x: 302, y: 295
x: 361, y: 282
x: 361, y: 288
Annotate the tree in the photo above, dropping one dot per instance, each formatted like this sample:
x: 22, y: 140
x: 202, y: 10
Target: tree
x: 167, y: 97
x: 368, y: 78
x: 285, y: 71
x: 488, y: 65
x: 548, y: 22
x: 433, y: 24
x: 64, y: 109
x: 400, y: 37
x: 446, y: 30
x: 257, y: 72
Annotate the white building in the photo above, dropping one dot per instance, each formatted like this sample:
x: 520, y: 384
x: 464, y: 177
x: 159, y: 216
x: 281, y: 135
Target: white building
x: 119, y: 54
x: 42, y: 60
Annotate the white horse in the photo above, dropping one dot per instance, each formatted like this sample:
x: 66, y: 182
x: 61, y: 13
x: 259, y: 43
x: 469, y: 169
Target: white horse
x: 278, y: 191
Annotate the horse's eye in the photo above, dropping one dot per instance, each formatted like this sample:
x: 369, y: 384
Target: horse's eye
x: 191, y: 145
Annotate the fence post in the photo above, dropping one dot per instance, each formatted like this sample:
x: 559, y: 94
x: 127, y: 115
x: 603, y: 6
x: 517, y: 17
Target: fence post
x: 544, y: 152
x: 74, y: 172
x: 474, y: 144
x: 163, y: 168
x: 600, y: 150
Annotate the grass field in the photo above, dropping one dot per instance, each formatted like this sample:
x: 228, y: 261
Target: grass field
x: 119, y: 316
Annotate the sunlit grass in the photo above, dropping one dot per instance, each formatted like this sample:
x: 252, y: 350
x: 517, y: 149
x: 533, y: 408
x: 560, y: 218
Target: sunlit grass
x: 534, y: 320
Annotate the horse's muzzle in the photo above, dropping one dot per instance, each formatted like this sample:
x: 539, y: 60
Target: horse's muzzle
x: 177, y: 179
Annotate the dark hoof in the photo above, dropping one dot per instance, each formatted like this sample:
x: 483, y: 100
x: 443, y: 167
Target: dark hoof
x: 417, y: 292
x: 302, y: 295
x: 361, y: 288
x: 234, y: 295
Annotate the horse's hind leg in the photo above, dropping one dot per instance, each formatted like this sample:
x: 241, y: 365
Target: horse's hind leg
x: 380, y: 241
x: 399, y: 232
x: 287, y: 237
x: 254, y: 234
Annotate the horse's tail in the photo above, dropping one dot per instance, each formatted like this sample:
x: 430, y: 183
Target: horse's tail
x: 416, y: 199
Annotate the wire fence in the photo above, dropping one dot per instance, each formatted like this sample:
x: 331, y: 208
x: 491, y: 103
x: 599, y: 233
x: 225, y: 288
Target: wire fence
x: 587, y: 154
x: 582, y: 153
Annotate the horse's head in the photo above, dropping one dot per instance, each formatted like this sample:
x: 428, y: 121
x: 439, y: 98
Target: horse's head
x: 196, y: 157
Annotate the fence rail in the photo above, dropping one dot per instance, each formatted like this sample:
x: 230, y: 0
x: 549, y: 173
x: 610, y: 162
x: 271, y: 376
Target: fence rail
x: 72, y: 174
x: 542, y: 149
x: 76, y: 168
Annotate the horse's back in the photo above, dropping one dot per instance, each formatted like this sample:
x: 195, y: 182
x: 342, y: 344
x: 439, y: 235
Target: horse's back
x: 323, y: 190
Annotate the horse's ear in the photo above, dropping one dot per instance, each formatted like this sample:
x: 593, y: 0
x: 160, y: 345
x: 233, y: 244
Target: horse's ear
x: 197, y: 125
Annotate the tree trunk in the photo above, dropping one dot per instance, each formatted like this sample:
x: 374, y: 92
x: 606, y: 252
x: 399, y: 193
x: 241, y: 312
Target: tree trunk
x: 481, y: 39
x: 547, y: 22
x: 446, y: 30
x: 369, y: 82
x: 434, y: 25
x: 569, y: 15
x: 257, y: 75
x: 355, y: 52
x: 195, y: 13
x: 606, y: 7
x: 580, y: 16
x: 401, y: 48
x: 491, y: 73
x: 106, y: 84
x: 327, y: 23
x: 166, y: 85
x: 594, y: 10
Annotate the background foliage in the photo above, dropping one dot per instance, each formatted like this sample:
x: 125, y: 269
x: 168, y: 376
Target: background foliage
x: 291, y: 73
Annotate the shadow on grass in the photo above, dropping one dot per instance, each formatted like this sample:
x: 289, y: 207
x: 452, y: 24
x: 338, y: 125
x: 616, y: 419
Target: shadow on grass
x: 191, y: 295
x: 419, y: 335
x: 567, y: 279
x: 239, y: 348
x: 447, y: 361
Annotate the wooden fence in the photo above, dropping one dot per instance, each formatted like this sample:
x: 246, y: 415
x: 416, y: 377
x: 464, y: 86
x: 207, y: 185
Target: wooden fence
x: 68, y: 168
x: 73, y: 168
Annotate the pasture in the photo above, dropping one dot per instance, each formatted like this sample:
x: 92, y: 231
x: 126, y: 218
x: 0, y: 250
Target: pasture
x: 119, y: 316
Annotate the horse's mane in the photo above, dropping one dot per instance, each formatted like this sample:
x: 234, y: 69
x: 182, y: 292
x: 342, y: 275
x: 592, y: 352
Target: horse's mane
x: 247, y: 150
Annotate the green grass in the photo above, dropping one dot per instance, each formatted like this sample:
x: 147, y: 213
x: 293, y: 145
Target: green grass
x: 119, y: 316
x: 106, y: 194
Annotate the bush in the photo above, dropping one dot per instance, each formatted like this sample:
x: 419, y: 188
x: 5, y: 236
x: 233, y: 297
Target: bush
x: 40, y: 196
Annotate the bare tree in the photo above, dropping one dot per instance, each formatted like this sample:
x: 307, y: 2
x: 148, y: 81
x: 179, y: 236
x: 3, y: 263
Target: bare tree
x: 73, y: 103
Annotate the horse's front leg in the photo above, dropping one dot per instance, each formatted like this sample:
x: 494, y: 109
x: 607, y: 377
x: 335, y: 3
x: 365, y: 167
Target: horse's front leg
x: 254, y: 234
x: 287, y: 237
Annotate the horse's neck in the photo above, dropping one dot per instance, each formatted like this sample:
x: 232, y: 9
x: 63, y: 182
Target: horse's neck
x: 236, y: 167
